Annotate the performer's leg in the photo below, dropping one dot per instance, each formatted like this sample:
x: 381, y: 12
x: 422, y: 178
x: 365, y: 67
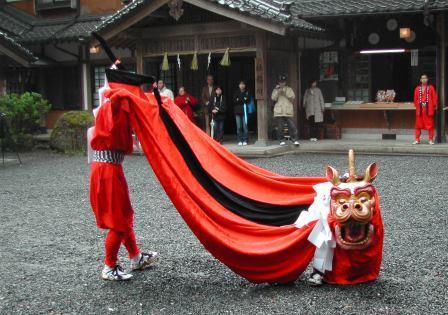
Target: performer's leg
x: 139, y: 260
x: 112, y: 270
x: 418, y: 133
x: 130, y: 243
x: 112, y: 246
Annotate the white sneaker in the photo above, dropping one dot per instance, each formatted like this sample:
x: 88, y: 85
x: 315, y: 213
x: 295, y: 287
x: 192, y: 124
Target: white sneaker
x: 244, y: 143
x: 316, y: 279
x: 296, y: 143
x: 145, y: 260
x: 282, y: 143
x: 416, y: 142
x: 115, y: 274
x: 240, y: 143
x: 431, y: 142
x: 313, y: 139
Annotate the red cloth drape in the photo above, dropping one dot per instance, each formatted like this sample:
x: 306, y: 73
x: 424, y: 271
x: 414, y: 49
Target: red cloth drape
x: 257, y: 252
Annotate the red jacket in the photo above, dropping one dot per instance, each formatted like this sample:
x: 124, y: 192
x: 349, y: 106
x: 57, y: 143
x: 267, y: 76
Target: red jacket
x: 432, y: 102
x: 186, y: 102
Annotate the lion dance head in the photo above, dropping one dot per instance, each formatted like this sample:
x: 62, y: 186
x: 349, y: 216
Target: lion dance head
x: 355, y: 220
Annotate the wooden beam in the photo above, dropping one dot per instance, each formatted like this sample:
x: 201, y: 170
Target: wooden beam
x: 230, y: 27
x: 129, y: 21
x: 441, y: 136
x: 235, y: 15
x: 139, y: 57
x: 14, y: 56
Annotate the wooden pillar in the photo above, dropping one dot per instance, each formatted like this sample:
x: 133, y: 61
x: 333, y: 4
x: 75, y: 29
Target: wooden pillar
x: 261, y: 89
x: 86, y: 83
x: 139, y: 57
x: 441, y: 69
x: 294, y: 83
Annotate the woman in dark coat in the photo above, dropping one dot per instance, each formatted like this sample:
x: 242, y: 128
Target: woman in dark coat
x: 217, y: 107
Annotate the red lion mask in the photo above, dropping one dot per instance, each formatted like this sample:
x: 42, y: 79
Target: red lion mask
x: 355, y: 219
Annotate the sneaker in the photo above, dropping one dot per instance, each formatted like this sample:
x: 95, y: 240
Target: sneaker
x: 416, y: 142
x: 313, y: 139
x: 115, y: 274
x: 240, y: 143
x: 316, y: 279
x: 244, y: 143
x: 296, y: 143
x: 282, y: 143
x: 431, y: 142
x: 146, y: 260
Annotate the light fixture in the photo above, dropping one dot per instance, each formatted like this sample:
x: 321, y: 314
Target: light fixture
x: 94, y: 49
x: 405, y: 32
x: 383, y: 51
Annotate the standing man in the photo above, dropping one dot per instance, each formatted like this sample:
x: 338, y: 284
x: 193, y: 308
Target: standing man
x: 425, y: 102
x: 208, y: 93
x: 164, y: 91
x: 284, y: 96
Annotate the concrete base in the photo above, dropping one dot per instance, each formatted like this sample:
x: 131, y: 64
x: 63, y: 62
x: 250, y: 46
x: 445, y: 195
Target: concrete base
x: 342, y: 146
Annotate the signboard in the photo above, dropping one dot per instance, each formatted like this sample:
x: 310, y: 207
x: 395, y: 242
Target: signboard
x: 329, y: 66
x: 259, y: 79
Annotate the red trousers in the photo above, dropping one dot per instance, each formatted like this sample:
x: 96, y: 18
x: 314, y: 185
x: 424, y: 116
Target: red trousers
x: 424, y: 121
x: 112, y: 244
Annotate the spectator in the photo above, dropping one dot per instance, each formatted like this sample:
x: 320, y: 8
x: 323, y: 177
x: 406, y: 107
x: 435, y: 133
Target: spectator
x: 217, y: 106
x: 164, y: 91
x: 241, y: 98
x: 208, y: 92
x: 313, y: 102
x: 283, y: 96
x: 186, y: 102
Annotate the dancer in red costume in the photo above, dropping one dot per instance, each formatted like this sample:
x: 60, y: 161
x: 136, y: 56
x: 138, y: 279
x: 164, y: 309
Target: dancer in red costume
x: 111, y: 140
x: 425, y: 101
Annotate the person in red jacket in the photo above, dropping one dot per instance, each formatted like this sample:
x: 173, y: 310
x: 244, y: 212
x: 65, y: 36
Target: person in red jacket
x: 425, y: 101
x: 109, y: 196
x: 186, y: 102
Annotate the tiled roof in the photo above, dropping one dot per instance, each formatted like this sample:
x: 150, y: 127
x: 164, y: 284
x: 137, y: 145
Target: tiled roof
x: 321, y: 8
x: 270, y: 10
x: 25, y: 28
x: 7, y: 41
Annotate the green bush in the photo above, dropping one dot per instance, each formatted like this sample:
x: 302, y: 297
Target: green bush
x: 70, y: 132
x: 24, y: 112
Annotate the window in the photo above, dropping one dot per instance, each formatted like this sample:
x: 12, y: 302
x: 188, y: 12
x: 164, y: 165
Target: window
x: 54, y: 4
x: 98, y: 78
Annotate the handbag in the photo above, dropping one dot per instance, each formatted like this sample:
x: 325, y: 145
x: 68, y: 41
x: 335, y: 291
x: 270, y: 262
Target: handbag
x: 251, y: 106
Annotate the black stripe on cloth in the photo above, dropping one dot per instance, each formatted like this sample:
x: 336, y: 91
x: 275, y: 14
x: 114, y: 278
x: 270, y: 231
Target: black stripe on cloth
x: 260, y: 212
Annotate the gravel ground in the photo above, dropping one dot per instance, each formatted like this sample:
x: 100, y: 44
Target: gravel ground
x: 51, y: 250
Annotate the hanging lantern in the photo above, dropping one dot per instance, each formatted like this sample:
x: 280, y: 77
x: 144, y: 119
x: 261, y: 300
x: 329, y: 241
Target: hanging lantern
x: 194, y: 62
x: 225, y: 61
x: 165, y: 65
x: 405, y: 32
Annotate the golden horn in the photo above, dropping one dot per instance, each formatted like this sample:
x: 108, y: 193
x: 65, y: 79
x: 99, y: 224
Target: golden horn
x: 351, y: 164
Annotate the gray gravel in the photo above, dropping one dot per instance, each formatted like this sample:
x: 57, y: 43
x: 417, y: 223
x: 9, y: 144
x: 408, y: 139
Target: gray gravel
x: 51, y: 250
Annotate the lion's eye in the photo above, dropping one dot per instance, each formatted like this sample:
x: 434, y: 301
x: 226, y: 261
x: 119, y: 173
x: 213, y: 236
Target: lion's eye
x: 363, y: 199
